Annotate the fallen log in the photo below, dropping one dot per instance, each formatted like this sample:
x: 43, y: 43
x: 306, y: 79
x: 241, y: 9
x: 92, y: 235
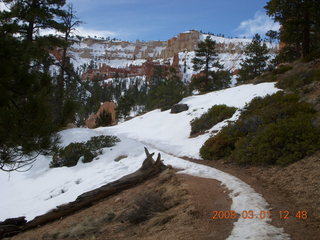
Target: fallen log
x: 11, y: 226
x: 149, y: 169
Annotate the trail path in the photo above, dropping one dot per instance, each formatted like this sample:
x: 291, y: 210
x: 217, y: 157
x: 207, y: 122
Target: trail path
x: 244, y: 198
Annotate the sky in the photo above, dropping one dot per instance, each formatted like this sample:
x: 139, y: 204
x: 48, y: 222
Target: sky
x: 163, y: 19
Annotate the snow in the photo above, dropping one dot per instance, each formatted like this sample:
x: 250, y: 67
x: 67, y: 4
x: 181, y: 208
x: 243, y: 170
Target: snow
x: 121, y: 54
x: 244, y: 198
x: 225, y: 40
x: 170, y: 132
x: 41, y: 189
x: 37, y: 191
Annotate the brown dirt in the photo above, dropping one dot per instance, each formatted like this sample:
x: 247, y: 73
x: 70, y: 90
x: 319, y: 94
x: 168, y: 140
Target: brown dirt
x: 189, y: 202
x: 293, y: 188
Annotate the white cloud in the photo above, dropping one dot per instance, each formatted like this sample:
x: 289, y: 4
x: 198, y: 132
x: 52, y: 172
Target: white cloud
x: 85, y: 32
x: 260, y: 24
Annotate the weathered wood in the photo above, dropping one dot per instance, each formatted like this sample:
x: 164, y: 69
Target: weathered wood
x: 11, y: 226
x: 149, y: 168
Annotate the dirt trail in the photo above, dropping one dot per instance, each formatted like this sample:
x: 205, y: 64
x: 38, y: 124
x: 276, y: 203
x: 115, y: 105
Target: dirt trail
x: 273, y: 184
x: 189, y: 202
x: 188, y: 215
x: 279, y: 195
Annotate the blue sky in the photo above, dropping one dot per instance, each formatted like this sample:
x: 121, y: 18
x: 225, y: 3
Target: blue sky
x: 163, y: 19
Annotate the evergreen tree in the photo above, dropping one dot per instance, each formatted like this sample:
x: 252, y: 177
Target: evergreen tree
x: 206, y: 58
x: 220, y: 79
x: 272, y: 36
x: 125, y: 104
x: 26, y: 126
x: 167, y: 92
x: 69, y: 21
x: 104, y: 119
x: 34, y: 15
x: 300, y: 25
x: 256, y: 59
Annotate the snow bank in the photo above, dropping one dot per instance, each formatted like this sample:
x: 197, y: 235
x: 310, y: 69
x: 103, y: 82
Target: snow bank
x: 41, y: 189
x: 170, y: 132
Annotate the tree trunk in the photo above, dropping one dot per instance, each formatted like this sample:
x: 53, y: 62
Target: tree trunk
x: 306, y: 33
x: 30, y: 31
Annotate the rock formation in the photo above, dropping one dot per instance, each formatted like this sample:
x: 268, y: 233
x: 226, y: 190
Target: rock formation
x: 131, y: 59
x: 106, y: 106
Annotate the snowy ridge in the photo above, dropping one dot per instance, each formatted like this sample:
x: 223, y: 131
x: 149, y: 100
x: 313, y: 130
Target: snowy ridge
x: 121, y: 54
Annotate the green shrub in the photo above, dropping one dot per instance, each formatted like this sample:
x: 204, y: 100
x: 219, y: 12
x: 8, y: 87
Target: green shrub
x: 298, y: 80
x: 98, y: 142
x: 277, y: 129
x: 221, y: 145
x: 282, y: 69
x: 216, y: 114
x: 283, y: 142
x: 274, y: 107
x: 70, y: 155
x: 266, y: 77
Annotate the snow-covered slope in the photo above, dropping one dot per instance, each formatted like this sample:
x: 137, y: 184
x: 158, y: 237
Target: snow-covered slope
x: 41, y: 189
x: 121, y: 54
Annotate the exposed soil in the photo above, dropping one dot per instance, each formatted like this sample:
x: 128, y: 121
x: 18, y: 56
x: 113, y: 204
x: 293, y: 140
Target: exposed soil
x: 293, y: 188
x: 187, y: 203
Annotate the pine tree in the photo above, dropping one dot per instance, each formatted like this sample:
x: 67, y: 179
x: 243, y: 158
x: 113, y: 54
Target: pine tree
x: 167, y: 92
x: 256, y: 59
x: 300, y: 25
x: 34, y: 15
x: 220, y: 79
x: 125, y: 104
x: 69, y: 21
x: 26, y: 126
x: 272, y: 36
x: 206, y: 58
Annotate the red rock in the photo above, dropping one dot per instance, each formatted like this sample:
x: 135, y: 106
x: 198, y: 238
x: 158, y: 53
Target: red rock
x: 107, y: 106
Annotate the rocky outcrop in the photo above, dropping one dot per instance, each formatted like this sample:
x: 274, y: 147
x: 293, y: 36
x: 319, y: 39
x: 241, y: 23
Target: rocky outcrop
x: 106, y: 106
x: 147, y: 69
x: 132, y: 59
x: 187, y: 41
x: 110, y: 50
x: 177, y: 108
x: 183, y: 42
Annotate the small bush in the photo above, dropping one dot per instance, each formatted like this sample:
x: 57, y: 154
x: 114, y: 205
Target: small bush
x: 98, y: 142
x: 70, y: 155
x: 282, y: 69
x: 283, y: 142
x: 216, y: 114
x: 298, y: 80
x: 104, y: 119
x: 277, y: 129
x: 147, y: 206
x: 219, y: 146
x: 274, y: 107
